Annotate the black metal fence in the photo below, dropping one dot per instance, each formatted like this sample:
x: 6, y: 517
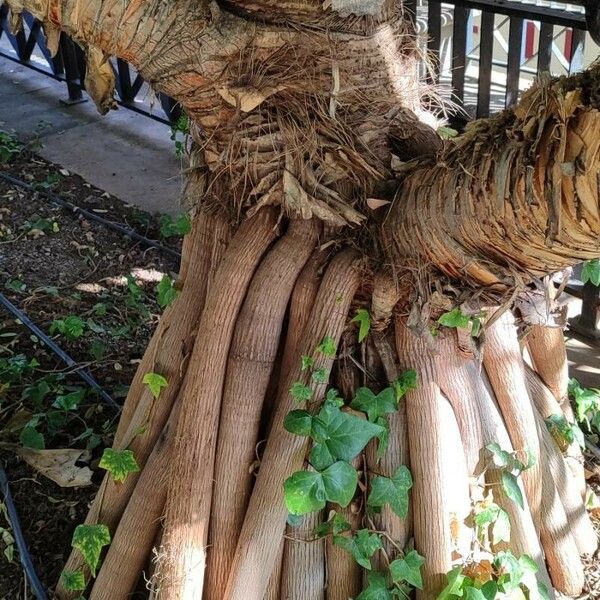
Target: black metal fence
x: 69, y: 66
x: 434, y: 19
x: 546, y: 23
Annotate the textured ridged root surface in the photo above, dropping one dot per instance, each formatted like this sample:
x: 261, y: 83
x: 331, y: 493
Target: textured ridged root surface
x: 166, y: 354
x: 396, y: 454
x: 258, y: 543
x: 250, y: 364
x: 440, y: 495
x: 505, y: 368
x: 191, y: 474
x: 303, y: 568
x: 549, y: 354
x: 344, y: 574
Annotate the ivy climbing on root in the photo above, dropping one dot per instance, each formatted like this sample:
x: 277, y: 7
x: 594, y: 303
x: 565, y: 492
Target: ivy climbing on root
x: 339, y: 433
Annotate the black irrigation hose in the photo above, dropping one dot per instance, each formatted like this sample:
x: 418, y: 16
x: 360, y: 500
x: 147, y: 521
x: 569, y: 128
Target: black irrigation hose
x: 13, y: 517
x: 126, y: 231
x: 85, y: 375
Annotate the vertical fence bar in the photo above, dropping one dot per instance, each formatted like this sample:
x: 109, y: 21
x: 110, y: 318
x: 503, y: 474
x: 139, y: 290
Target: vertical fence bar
x: 72, y: 75
x: 545, y: 47
x: 434, y: 34
x: 459, y: 53
x: 486, y: 56
x: 513, y: 68
x: 577, y: 50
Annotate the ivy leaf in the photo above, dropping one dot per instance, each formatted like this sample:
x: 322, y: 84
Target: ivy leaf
x: 510, y: 571
x: 298, y: 422
x: 336, y: 524
x: 375, y: 406
x: 408, y: 569
x: 327, y: 347
x: 377, y: 588
x: 69, y: 401
x: 560, y: 430
x: 510, y: 485
x: 294, y: 520
x: 304, y: 492
x: 591, y: 272
x: 155, y: 383
x: 320, y: 457
x: 392, y: 491
x: 73, y: 581
x: 406, y: 382
x: 333, y: 397
x: 490, y: 590
x: 30, y: 437
x: 455, y: 318
x: 383, y: 437
x: 472, y: 593
x: 347, y: 434
x: 453, y: 588
x: 307, y: 362
x: 321, y: 375
x: 501, y: 457
x: 339, y: 482
x: 364, y: 323
x: 166, y: 291
x: 300, y: 392
x: 501, y: 528
x: 361, y: 546
x: 119, y: 463
x: 89, y: 540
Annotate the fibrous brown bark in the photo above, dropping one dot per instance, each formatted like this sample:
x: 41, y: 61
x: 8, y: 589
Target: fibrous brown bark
x: 187, y: 512
x: 266, y: 515
x: 249, y: 368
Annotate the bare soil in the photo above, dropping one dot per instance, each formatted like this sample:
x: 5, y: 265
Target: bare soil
x: 55, y: 264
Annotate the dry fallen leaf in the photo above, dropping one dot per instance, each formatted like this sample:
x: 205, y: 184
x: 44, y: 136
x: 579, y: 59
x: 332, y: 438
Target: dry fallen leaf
x: 58, y: 465
x: 375, y: 203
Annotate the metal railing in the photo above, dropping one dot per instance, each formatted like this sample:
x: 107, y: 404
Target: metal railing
x: 481, y: 44
x: 28, y: 47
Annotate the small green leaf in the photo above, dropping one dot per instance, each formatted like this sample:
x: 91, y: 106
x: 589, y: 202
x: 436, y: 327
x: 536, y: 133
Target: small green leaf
x: 321, y: 375
x: 339, y: 482
x: 333, y: 397
x: 69, y: 401
x: 119, y: 463
x: 304, y: 492
x: 392, y: 491
x: 166, y: 291
x: 30, y: 437
x: 377, y: 588
x: 294, y: 520
x: 298, y: 422
x: 560, y: 430
x: 73, y: 581
x: 361, y: 546
x: 89, y: 540
x: 327, y: 347
x: 591, y: 272
x: 300, y: 392
x: 363, y: 319
x: 374, y: 406
x: 408, y: 569
x: 455, y: 318
x: 453, y: 588
x: 320, y: 457
x: 501, y: 528
x: 510, y: 485
x: 406, y: 382
x: 336, y: 524
x: 155, y: 383
x: 346, y: 434
x: 502, y: 458
x: 307, y: 362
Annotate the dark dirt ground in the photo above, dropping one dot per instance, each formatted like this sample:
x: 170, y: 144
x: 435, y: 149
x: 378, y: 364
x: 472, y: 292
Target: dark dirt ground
x: 55, y: 264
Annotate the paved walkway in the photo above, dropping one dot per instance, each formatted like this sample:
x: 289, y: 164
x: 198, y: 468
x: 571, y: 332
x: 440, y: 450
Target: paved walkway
x: 124, y: 153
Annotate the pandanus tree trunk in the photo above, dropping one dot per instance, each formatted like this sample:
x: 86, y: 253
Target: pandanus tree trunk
x: 319, y: 188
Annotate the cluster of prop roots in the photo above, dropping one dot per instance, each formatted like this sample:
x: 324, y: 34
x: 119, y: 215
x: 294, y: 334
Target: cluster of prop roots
x: 205, y: 518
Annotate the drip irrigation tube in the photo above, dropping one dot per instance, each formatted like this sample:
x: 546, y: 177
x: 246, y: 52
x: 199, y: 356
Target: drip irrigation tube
x: 13, y: 517
x: 126, y: 231
x: 85, y: 375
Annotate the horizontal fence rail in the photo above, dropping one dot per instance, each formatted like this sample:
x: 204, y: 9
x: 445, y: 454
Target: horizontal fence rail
x: 28, y: 47
x: 487, y: 51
